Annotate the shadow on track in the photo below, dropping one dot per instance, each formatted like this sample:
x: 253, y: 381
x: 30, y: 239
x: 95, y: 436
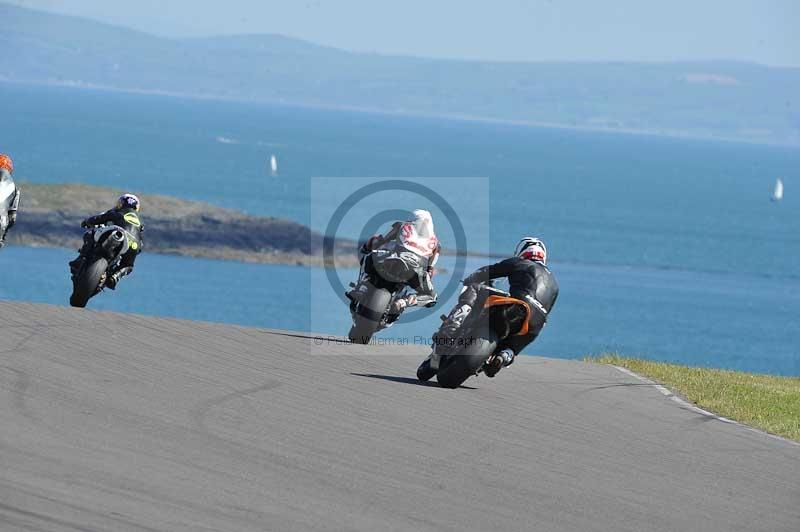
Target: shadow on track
x: 608, y: 386
x: 296, y: 335
x: 404, y: 380
x: 621, y: 384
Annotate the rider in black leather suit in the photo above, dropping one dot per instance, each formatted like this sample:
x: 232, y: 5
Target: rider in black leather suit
x: 124, y: 215
x: 529, y: 280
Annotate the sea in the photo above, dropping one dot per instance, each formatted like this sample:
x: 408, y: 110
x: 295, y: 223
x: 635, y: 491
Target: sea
x: 665, y: 248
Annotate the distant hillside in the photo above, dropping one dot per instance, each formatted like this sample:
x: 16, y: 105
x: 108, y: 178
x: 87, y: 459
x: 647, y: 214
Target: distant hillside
x: 711, y: 99
x: 50, y: 215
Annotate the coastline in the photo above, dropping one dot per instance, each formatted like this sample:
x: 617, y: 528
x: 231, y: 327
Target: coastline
x: 459, y: 117
x: 50, y: 216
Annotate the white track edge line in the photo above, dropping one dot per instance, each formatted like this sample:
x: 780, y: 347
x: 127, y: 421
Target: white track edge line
x: 664, y: 390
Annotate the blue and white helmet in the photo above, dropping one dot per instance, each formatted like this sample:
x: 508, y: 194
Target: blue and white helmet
x: 531, y: 248
x: 128, y: 201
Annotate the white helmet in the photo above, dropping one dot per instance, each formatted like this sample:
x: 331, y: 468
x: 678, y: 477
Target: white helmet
x: 423, y: 223
x: 531, y: 248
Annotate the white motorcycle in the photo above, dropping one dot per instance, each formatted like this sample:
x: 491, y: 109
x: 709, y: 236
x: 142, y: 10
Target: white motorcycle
x: 9, y: 199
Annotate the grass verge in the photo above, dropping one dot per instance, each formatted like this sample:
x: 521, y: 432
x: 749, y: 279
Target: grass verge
x: 767, y: 402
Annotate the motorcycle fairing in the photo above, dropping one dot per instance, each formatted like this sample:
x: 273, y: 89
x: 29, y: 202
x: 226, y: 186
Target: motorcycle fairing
x: 496, y: 301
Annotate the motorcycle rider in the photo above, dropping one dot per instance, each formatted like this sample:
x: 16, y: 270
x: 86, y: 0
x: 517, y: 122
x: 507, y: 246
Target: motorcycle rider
x: 124, y: 215
x: 529, y: 280
x: 416, y: 235
x: 9, y: 197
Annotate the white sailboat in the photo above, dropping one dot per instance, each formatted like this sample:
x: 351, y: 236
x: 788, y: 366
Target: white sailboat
x: 273, y: 165
x: 777, y: 194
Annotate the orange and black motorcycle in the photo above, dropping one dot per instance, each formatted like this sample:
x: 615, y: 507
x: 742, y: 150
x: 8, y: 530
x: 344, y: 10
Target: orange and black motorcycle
x: 496, y: 316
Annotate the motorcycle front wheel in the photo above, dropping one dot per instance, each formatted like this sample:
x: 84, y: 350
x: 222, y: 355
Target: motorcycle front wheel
x: 425, y: 372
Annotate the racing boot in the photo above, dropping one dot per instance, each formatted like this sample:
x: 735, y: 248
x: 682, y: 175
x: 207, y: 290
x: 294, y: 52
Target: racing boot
x: 402, y: 303
x: 398, y: 306
x: 498, y: 361
x: 115, y: 277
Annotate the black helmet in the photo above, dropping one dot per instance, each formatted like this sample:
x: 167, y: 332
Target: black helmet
x: 128, y: 201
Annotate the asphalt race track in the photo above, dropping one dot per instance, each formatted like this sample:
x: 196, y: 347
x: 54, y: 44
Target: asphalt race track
x: 112, y: 422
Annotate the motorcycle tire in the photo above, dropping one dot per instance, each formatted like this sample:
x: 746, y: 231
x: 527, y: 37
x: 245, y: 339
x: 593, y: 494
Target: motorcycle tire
x: 87, y: 281
x: 425, y: 372
x: 461, y: 365
x: 368, y: 315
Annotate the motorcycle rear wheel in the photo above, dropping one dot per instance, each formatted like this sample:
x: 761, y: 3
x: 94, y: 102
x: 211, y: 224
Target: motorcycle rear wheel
x: 367, y: 317
x: 466, y: 362
x: 87, y: 281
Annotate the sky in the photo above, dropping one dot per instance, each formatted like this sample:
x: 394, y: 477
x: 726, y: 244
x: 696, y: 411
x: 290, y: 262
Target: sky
x: 765, y: 31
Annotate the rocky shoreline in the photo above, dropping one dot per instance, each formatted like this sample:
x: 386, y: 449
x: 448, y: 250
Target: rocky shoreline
x: 50, y: 215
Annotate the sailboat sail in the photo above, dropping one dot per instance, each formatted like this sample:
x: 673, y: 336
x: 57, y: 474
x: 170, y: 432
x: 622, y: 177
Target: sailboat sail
x: 777, y: 194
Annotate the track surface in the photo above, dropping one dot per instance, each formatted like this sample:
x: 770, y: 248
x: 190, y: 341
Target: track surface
x: 119, y: 422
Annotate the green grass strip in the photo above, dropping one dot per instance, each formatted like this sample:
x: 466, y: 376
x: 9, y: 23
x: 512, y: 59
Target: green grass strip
x: 767, y: 402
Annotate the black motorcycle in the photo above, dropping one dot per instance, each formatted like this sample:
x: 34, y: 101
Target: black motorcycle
x: 372, y: 298
x: 495, y: 317
x: 110, y: 243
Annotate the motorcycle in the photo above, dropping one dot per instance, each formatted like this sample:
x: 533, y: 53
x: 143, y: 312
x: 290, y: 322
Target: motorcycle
x: 110, y: 243
x: 495, y: 316
x: 373, y: 296
x: 7, y: 194
x: 3, y: 221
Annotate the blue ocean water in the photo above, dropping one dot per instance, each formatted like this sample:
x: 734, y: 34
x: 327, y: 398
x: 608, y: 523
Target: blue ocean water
x: 664, y: 248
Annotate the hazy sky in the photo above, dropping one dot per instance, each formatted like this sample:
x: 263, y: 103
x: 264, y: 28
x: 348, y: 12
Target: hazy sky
x: 766, y: 31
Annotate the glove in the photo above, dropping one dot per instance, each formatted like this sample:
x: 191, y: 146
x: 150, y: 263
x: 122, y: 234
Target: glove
x: 85, y: 224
